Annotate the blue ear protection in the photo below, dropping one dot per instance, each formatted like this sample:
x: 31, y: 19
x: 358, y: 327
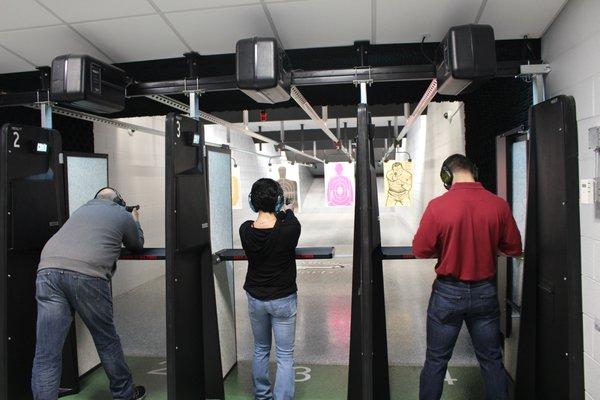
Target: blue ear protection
x: 280, y: 202
x: 278, y: 206
x: 252, y: 207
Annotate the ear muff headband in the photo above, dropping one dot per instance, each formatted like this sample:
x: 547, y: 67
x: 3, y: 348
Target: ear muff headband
x: 280, y: 200
x: 119, y: 199
x: 447, y: 176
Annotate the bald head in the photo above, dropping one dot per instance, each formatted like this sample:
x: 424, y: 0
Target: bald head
x: 107, y: 194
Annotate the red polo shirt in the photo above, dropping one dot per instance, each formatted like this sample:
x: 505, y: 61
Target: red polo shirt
x: 466, y: 228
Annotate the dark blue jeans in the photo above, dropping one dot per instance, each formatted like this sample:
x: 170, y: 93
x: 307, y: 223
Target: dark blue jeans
x: 59, y: 293
x: 476, y: 304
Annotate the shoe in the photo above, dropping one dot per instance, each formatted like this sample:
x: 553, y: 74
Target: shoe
x: 139, y: 393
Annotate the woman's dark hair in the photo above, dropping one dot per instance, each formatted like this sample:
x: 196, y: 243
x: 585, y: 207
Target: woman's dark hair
x: 264, y: 194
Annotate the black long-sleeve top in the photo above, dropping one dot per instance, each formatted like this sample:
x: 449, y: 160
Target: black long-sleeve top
x: 271, y: 257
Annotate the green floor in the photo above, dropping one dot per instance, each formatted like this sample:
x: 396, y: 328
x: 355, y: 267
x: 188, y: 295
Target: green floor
x: 314, y: 382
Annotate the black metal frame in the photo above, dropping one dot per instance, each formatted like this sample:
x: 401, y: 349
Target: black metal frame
x: 368, y: 375
x: 19, y: 265
x: 193, y: 347
x: 550, y: 355
x: 420, y: 72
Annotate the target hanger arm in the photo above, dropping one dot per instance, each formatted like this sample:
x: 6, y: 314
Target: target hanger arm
x: 421, y: 106
x: 234, y: 127
x: 310, y: 111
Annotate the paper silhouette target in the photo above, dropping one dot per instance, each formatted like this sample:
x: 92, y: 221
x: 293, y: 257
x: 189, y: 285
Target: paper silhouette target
x: 290, y: 189
x: 339, y: 184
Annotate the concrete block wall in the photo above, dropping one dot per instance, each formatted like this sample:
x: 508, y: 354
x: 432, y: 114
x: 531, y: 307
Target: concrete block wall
x: 445, y: 136
x: 571, y: 46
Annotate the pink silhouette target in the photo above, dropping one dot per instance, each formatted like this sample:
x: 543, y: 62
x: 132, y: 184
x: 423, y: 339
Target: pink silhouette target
x: 340, y: 184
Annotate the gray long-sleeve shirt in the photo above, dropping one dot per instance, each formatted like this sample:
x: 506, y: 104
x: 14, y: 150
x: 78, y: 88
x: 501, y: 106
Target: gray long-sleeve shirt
x: 90, y: 241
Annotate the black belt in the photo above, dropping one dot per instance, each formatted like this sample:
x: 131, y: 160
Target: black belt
x: 451, y: 279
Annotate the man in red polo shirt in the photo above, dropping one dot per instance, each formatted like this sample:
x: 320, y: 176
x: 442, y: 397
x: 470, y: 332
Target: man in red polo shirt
x: 465, y: 229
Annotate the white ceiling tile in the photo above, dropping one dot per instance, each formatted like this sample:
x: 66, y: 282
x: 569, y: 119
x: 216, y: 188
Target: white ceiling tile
x: 177, y: 5
x: 16, y: 14
x: 407, y: 21
x: 11, y: 63
x: 133, y: 39
x: 217, y: 31
x: 322, y: 23
x: 42, y: 45
x: 512, y: 19
x: 88, y: 10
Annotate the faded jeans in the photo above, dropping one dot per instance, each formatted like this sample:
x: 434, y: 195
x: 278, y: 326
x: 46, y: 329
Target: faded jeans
x: 278, y: 316
x: 59, y: 293
x: 476, y: 304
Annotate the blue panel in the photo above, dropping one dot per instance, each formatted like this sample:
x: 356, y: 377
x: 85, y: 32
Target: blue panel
x: 519, y: 207
x: 221, y: 236
x: 85, y: 176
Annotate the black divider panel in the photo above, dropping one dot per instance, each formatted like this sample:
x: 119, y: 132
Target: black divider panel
x: 368, y: 377
x: 551, y: 327
x: 32, y: 210
x: 559, y: 319
x: 193, y: 350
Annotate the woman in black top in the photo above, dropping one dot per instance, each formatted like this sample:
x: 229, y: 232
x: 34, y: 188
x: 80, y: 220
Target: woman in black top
x: 270, y: 244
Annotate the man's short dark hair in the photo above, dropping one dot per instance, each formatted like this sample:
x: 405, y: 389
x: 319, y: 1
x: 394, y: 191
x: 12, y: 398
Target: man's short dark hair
x: 264, y: 194
x: 458, y: 162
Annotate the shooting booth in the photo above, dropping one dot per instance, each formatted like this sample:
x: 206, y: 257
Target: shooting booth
x: 32, y: 201
x: 540, y: 296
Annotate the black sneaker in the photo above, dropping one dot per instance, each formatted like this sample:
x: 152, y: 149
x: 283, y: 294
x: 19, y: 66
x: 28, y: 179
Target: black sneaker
x: 139, y: 393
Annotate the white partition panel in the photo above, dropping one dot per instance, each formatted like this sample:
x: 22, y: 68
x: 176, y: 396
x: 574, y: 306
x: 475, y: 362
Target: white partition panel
x: 221, y: 220
x: 85, y: 175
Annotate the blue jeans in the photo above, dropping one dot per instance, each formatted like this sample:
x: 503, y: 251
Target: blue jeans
x: 476, y: 304
x: 59, y: 293
x: 280, y: 316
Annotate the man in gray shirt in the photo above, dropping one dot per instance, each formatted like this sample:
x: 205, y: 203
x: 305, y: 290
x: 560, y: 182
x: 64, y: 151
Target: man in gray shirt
x: 74, y: 274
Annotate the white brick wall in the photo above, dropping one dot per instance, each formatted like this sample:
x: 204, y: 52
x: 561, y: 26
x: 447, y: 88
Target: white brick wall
x: 572, y: 47
x: 430, y: 141
x: 136, y: 168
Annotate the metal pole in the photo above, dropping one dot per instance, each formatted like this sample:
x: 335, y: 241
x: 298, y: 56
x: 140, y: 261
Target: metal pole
x: 46, y: 112
x: 539, y: 89
x: 363, y: 93
x: 194, y: 105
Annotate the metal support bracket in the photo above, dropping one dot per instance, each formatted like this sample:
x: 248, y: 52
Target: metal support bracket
x: 535, y: 73
x: 356, y: 81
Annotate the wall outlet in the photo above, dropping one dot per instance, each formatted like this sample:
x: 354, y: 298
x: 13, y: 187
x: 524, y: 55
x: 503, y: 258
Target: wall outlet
x: 587, y: 191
